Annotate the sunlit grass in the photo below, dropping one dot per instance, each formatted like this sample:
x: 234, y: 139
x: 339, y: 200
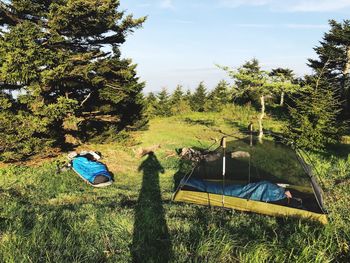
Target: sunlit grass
x: 46, y: 216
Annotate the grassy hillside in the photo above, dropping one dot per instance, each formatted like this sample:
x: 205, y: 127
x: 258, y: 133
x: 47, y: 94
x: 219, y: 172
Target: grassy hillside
x: 46, y: 216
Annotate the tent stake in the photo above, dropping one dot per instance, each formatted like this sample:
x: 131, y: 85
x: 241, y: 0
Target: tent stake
x: 223, y: 145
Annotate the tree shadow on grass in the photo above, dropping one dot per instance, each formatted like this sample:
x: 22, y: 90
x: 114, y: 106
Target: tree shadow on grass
x: 151, y: 241
x: 207, y: 123
x: 243, y: 128
x: 339, y: 150
x: 278, y: 112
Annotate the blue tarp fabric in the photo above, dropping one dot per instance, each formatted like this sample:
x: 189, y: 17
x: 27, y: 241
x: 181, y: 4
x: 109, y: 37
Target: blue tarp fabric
x: 89, y: 169
x: 260, y: 191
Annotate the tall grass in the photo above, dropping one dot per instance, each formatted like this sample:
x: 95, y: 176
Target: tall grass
x: 46, y: 216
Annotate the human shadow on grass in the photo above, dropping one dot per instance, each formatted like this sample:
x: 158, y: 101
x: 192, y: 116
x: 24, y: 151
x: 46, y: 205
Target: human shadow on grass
x: 151, y: 241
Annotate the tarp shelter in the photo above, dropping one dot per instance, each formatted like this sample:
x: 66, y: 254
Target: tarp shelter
x: 247, y: 162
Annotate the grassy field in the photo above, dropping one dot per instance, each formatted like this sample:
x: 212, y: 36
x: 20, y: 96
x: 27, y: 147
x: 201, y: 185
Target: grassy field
x: 47, y: 216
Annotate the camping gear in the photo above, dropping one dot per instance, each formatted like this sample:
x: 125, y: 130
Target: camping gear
x: 90, y: 170
x: 259, y: 191
x: 245, y: 161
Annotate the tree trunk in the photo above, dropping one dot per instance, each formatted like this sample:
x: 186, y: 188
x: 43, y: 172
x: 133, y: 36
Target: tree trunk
x: 347, y: 64
x: 346, y: 72
x: 262, y: 114
x: 251, y: 128
x: 282, y: 98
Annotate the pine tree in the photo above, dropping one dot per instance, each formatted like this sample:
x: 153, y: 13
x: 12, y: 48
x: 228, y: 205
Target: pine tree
x: 241, y: 94
x: 54, y: 54
x: 249, y: 78
x: 313, y: 119
x: 151, y: 104
x: 179, y: 102
x: 218, y: 97
x: 188, y: 95
x: 213, y: 103
x: 163, y: 107
x: 284, y: 77
x: 177, y: 95
x: 198, y: 98
x: 333, y: 61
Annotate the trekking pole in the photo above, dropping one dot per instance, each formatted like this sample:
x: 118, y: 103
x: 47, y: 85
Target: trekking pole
x: 223, y: 145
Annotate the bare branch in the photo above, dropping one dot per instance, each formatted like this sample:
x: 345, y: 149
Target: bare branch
x: 321, y: 73
x: 86, y: 98
x: 113, y: 87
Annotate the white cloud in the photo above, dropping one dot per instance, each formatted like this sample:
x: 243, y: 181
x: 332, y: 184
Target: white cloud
x: 291, y: 5
x: 320, y: 5
x: 307, y: 26
x: 167, y: 4
x: 257, y: 25
x: 237, y: 3
x: 292, y: 26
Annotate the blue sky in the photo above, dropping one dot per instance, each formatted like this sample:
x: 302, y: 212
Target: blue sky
x: 182, y: 40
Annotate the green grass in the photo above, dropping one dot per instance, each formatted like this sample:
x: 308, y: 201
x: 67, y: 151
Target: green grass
x: 47, y: 216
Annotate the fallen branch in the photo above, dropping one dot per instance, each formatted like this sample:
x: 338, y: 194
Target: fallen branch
x: 140, y: 152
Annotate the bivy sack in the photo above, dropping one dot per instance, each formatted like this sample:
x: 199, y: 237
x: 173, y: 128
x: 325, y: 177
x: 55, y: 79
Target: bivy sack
x: 93, y: 172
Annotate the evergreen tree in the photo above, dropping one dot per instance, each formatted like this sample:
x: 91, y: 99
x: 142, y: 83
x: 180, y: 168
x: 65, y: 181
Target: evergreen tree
x: 284, y: 77
x: 179, y: 102
x: 181, y: 108
x: 151, y: 104
x: 240, y: 93
x: 177, y: 95
x: 250, y: 78
x: 24, y: 132
x: 213, y: 103
x: 163, y: 107
x: 198, y: 98
x: 188, y: 95
x: 53, y: 53
x: 313, y: 118
x: 218, y: 97
x: 333, y: 61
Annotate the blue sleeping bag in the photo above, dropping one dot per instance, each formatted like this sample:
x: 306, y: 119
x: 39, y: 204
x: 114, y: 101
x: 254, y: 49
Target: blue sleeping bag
x: 260, y: 191
x: 89, y: 169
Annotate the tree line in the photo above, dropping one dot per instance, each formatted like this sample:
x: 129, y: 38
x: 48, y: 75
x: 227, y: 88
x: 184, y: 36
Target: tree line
x: 179, y: 101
